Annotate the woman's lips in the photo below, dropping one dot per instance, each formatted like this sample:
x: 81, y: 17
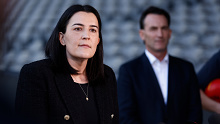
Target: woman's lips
x: 85, y: 45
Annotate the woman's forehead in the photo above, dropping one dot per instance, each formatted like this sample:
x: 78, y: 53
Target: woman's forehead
x: 85, y: 18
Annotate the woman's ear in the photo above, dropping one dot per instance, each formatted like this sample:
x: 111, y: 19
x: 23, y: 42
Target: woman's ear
x: 61, y: 38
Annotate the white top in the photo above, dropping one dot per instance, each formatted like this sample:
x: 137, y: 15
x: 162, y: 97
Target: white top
x: 161, y: 71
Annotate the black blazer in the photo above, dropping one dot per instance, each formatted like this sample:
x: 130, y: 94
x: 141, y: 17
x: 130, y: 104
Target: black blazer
x: 45, y: 94
x: 140, y: 98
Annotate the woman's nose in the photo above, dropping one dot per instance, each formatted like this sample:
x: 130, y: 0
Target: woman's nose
x: 85, y: 35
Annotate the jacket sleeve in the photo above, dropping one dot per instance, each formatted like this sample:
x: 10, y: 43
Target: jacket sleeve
x: 31, y: 97
x: 126, y: 98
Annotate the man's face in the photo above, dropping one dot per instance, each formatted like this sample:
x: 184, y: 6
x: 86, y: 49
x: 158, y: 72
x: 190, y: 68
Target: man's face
x: 156, y: 33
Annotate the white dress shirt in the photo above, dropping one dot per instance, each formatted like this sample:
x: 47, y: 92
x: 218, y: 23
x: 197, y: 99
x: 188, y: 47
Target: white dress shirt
x: 161, y: 71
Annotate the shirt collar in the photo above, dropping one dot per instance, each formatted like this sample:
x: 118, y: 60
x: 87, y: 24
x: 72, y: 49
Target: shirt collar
x: 153, y: 59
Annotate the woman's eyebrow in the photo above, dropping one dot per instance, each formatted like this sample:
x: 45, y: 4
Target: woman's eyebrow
x: 78, y: 24
x: 83, y: 25
x: 94, y: 26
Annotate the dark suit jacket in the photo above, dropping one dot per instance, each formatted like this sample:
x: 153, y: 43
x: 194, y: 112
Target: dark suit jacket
x: 45, y: 94
x: 140, y: 98
x: 210, y: 71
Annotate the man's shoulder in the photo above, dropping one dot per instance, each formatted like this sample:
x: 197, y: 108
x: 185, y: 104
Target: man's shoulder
x: 180, y: 62
x: 133, y: 62
x: 216, y: 57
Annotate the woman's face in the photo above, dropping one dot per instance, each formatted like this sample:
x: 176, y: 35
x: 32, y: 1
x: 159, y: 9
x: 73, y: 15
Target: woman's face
x: 81, y: 37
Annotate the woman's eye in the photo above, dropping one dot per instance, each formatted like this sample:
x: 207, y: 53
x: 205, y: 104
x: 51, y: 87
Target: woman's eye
x: 77, y: 29
x: 93, y: 30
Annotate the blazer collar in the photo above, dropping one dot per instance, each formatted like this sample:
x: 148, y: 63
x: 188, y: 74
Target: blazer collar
x: 150, y: 80
x: 70, y: 97
x: 148, y: 70
x: 152, y: 58
x: 73, y: 103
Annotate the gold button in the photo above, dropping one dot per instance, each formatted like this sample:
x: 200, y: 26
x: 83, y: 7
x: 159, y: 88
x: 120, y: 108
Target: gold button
x: 66, y: 117
x: 112, y: 116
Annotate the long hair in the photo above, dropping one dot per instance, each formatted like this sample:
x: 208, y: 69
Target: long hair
x: 153, y: 10
x: 57, y: 52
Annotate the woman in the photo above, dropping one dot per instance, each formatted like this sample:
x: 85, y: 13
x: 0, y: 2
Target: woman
x: 72, y: 86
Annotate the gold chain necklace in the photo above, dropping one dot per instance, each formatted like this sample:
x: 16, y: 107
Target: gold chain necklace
x: 86, y: 94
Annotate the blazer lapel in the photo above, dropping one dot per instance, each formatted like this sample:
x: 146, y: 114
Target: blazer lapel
x: 171, y: 78
x: 150, y: 78
x: 100, y: 98
x: 70, y: 96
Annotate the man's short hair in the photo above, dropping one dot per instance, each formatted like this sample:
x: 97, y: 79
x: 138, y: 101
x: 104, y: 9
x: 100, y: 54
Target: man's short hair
x: 154, y: 10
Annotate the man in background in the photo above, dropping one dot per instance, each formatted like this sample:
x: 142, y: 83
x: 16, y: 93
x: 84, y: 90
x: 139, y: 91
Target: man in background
x: 157, y: 88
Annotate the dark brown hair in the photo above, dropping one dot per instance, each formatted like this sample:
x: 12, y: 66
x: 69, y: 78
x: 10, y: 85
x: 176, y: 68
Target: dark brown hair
x: 57, y: 52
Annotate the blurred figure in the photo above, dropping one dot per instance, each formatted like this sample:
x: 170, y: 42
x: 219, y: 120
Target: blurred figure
x: 157, y: 87
x: 72, y: 85
x: 209, y: 72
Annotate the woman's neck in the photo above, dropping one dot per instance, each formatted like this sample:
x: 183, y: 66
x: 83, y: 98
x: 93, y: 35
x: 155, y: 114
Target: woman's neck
x: 80, y: 66
x: 79, y: 78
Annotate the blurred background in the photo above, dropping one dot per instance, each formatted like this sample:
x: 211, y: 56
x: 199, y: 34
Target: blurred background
x: 25, y: 27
